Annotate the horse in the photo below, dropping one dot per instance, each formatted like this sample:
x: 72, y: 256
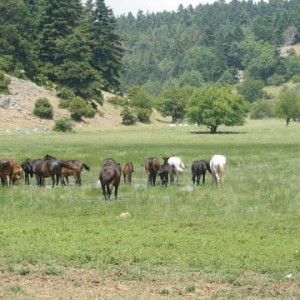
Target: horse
x: 199, y: 168
x: 76, y: 167
x: 110, y: 176
x: 127, y: 170
x: 49, y: 166
x: 27, y: 168
x: 6, y: 170
x: 164, y: 173
x: 217, y: 167
x: 178, y: 164
x: 10, y: 172
x: 152, y: 166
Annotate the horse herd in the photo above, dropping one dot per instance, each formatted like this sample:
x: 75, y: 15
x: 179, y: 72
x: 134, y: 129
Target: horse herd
x: 110, y: 172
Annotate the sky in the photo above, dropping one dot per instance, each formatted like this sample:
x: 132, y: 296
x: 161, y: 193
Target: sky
x: 120, y: 7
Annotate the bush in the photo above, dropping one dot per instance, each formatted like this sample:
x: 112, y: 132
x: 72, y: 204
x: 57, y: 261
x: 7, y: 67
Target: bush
x: 80, y: 108
x: 43, y: 108
x: 65, y: 93
x: 64, y: 124
x: 128, y: 118
x: 143, y: 115
x: 262, y: 109
x: 4, y: 82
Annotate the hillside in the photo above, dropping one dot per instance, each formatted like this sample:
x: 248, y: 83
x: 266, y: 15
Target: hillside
x: 16, y: 109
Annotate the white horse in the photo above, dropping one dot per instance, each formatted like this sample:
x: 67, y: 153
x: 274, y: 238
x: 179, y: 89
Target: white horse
x: 178, y: 164
x: 217, y: 167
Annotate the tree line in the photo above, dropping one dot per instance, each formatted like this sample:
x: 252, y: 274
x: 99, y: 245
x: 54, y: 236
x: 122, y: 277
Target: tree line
x: 207, y: 63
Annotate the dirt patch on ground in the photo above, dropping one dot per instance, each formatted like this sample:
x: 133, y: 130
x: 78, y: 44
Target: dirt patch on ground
x: 39, y: 282
x: 16, y: 109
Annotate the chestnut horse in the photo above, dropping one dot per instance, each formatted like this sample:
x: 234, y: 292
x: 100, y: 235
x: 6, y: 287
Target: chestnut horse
x: 152, y: 166
x: 109, y: 177
x: 10, y: 172
x: 74, y: 169
x: 127, y: 172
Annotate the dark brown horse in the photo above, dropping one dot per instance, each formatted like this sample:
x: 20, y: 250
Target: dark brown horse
x: 152, y: 166
x: 74, y: 169
x: 199, y: 168
x: 128, y: 169
x: 165, y: 172
x: 110, y: 176
x: 49, y: 166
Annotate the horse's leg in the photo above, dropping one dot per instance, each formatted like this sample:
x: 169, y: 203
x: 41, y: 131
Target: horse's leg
x: 116, y: 191
x: 108, y: 191
x: 198, y: 179
x: 193, y: 178
x: 104, y: 191
x: 53, y: 180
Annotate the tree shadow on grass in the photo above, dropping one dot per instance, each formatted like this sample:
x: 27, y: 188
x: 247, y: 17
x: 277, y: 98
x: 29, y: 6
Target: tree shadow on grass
x: 218, y: 132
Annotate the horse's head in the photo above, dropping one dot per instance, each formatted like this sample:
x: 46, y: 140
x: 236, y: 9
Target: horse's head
x: 165, y: 159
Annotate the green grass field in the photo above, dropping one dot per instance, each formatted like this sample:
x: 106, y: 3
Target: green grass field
x: 251, y: 226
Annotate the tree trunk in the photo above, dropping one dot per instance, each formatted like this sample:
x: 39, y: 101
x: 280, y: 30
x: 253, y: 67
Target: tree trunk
x: 213, y: 129
x: 288, y: 121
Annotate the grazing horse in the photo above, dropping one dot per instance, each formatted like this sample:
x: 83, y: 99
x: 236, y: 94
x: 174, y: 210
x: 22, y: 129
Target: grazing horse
x: 127, y: 172
x: 152, y: 166
x: 27, y: 168
x: 199, y: 168
x: 10, y: 172
x: 110, y: 176
x: 6, y: 170
x: 164, y: 173
x: 178, y: 164
x: 47, y: 167
x: 217, y: 167
x: 74, y: 169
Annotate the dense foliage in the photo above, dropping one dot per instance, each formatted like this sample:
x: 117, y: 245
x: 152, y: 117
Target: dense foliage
x: 210, y: 43
x: 62, y: 42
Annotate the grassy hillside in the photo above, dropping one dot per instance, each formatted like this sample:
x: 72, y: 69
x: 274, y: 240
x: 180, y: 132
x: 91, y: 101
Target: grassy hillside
x: 240, y: 242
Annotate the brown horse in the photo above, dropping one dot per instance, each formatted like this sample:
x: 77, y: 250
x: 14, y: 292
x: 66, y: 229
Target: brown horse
x: 127, y: 172
x: 74, y: 169
x: 10, y: 171
x: 109, y: 177
x: 152, y: 166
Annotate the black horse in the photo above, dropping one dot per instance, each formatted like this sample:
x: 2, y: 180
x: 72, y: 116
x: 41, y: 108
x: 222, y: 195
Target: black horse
x: 165, y: 172
x: 198, y: 168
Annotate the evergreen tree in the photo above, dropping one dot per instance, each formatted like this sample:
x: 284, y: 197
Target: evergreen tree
x: 105, y: 43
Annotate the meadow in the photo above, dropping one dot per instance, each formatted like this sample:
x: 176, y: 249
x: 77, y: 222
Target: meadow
x: 245, y: 236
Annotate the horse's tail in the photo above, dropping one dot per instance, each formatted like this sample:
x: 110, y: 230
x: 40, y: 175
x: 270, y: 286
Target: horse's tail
x: 86, y: 167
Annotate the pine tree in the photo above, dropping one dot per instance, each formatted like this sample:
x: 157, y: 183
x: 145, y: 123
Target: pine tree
x: 105, y: 43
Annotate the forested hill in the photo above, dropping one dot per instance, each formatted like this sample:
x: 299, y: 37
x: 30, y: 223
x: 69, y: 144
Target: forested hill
x: 210, y: 43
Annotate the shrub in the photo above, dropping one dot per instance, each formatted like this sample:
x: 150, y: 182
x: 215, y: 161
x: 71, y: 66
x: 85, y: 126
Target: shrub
x: 128, y: 117
x: 143, y: 115
x: 262, y: 109
x: 65, y: 93
x: 63, y: 125
x: 4, y: 82
x: 43, y: 108
x: 80, y: 108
